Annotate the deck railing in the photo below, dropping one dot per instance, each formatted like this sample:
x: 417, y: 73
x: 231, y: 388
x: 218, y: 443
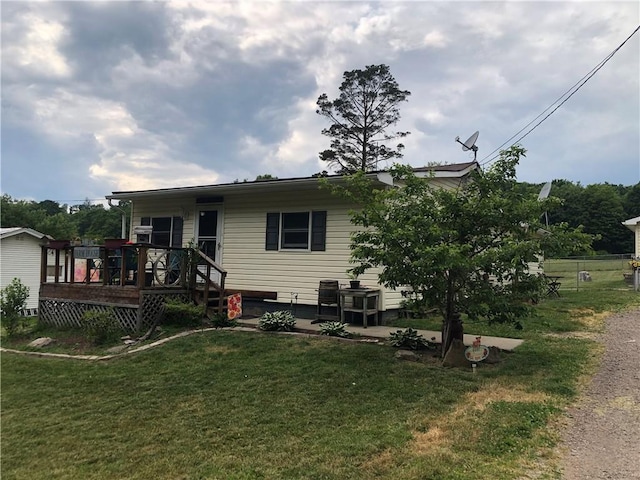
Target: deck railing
x: 206, y: 272
x: 144, y: 266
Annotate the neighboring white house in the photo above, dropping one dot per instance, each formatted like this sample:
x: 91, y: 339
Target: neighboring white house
x: 278, y: 236
x: 633, y: 224
x: 20, y: 254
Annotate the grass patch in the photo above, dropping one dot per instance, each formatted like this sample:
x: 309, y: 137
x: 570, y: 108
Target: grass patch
x: 242, y: 405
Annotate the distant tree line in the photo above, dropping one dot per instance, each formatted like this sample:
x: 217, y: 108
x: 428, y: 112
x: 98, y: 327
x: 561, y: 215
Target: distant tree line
x: 600, y: 208
x: 85, y: 221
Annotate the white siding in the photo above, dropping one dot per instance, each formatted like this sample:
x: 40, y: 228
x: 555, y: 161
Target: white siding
x: 166, y: 207
x: 20, y: 257
x: 250, y: 266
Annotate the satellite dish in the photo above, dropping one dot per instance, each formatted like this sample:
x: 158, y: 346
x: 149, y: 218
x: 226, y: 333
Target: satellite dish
x: 544, y: 193
x: 470, y: 144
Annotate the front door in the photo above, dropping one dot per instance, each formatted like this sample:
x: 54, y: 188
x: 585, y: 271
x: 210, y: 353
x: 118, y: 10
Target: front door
x: 209, y: 237
x: 209, y: 240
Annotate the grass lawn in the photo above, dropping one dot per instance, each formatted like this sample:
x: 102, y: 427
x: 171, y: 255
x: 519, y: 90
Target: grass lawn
x: 243, y: 405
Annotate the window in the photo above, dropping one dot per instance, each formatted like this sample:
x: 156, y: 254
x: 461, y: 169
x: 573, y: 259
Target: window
x: 296, y: 231
x: 167, y: 231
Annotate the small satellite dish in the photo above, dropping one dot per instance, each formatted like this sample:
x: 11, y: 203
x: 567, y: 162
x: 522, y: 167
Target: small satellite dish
x: 470, y: 144
x: 544, y: 193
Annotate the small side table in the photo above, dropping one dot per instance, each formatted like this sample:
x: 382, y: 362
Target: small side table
x: 364, y: 294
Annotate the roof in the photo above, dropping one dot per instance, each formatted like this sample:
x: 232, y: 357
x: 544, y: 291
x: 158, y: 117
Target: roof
x: 632, y: 223
x: 452, y: 167
x: 6, y: 232
x: 455, y: 170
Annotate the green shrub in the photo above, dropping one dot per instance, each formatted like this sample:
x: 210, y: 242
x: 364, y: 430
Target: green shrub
x: 281, y: 321
x: 101, y: 327
x: 220, y: 320
x: 410, y: 339
x: 13, y: 300
x: 183, y: 314
x: 335, y: 329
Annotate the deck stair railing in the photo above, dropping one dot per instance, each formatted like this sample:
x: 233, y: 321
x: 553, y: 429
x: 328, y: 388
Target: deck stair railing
x: 207, y: 281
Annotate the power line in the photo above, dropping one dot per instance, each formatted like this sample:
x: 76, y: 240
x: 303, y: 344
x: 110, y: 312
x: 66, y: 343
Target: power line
x: 568, y: 94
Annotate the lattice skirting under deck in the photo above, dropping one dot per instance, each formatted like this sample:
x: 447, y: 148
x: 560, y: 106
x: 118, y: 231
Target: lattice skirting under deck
x: 63, y: 313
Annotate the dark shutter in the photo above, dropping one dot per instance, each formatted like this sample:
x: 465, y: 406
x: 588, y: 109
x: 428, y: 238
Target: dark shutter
x: 145, y: 221
x: 273, y: 231
x: 176, y: 233
x: 318, y: 231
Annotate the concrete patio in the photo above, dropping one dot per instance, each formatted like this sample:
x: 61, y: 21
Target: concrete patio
x: 383, y: 332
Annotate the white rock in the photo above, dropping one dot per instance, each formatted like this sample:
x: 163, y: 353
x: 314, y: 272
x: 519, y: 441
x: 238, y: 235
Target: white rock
x: 41, y: 342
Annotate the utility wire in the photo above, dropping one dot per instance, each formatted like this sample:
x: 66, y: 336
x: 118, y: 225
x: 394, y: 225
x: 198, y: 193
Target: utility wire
x: 568, y: 94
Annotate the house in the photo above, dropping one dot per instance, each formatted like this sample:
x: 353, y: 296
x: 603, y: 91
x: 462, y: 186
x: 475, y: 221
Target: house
x: 633, y: 224
x: 276, y: 239
x: 20, y: 257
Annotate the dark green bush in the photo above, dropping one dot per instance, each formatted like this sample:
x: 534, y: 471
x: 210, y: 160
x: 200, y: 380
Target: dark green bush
x: 101, y: 327
x: 183, y: 314
x: 13, y: 300
x: 220, y: 320
x: 335, y: 329
x: 281, y: 321
x: 410, y: 339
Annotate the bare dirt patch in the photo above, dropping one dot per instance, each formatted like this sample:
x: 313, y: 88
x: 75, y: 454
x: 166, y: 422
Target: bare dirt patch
x: 590, y: 319
x: 442, y: 429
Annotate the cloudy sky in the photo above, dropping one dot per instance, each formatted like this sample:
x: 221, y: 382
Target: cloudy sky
x: 108, y: 96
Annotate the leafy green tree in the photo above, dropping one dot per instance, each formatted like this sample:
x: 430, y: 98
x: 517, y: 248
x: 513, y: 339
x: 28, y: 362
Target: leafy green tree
x: 605, y: 217
x: 360, y: 116
x: 266, y: 176
x: 59, y: 226
x: 632, y: 202
x: 463, y: 250
x: 20, y: 213
x: 85, y: 220
x: 96, y: 222
x: 13, y: 300
x: 51, y: 208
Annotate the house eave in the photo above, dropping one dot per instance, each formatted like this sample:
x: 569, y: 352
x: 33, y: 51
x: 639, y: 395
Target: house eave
x: 13, y: 231
x: 632, y: 223
x: 447, y: 171
x: 226, y: 188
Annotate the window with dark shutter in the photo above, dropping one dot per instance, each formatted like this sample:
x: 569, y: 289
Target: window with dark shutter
x: 294, y: 233
x: 176, y: 233
x: 318, y: 231
x: 273, y: 231
x: 161, y: 234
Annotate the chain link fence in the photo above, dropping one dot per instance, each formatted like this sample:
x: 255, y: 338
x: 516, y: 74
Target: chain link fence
x: 602, y: 272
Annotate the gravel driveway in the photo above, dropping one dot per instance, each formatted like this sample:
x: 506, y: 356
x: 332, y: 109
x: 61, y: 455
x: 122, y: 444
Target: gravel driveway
x: 603, y: 438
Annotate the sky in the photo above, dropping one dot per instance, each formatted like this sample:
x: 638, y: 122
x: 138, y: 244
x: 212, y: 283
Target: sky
x: 111, y: 96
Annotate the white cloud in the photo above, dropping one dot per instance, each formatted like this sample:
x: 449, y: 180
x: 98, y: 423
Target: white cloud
x: 175, y: 107
x: 35, y: 49
x: 129, y: 157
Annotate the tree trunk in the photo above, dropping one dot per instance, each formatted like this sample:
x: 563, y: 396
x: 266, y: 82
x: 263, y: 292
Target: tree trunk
x: 451, y: 325
x: 451, y: 330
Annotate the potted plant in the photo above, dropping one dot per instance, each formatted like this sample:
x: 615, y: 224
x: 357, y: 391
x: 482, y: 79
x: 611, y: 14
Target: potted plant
x: 353, y: 280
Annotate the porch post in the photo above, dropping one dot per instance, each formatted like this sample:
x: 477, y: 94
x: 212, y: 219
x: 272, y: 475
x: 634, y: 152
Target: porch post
x: 142, y: 262
x: 43, y: 264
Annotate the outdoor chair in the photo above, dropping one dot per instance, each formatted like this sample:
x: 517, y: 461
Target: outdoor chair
x: 553, y: 285
x: 329, y: 299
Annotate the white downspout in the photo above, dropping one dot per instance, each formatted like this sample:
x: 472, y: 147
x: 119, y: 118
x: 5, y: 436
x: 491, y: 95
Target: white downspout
x: 123, y: 230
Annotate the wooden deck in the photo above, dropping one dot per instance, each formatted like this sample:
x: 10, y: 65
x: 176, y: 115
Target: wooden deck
x: 109, y: 280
